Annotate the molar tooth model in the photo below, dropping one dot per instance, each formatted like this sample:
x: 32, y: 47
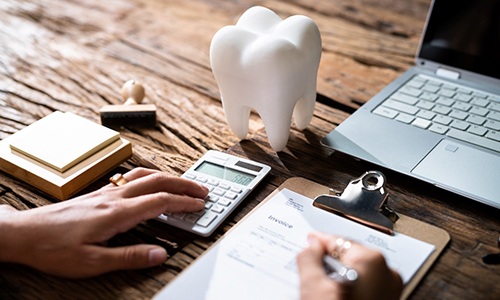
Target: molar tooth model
x: 269, y: 65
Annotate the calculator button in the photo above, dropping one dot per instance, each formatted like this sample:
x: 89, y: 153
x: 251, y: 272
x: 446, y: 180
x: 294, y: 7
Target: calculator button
x: 230, y: 195
x: 224, y: 202
x: 224, y: 186
x: 212, y: 198
x: 217, y: 208
x: 209, y: 187
x: 191, y: 218
x: 207, y: 219
x: 190, y: 176
x: 212, y: 181
x: 236, y: 190
x: 219, y: 192
x: 201, y: 179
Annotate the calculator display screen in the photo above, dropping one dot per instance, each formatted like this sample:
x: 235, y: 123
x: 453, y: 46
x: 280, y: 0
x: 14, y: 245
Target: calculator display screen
x: 225, y: 173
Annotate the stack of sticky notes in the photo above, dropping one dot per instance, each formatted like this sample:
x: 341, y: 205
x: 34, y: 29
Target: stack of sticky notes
x: 62, y: 153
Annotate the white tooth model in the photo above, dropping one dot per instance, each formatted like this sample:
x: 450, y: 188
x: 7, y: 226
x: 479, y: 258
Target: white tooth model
x: 269, y: 65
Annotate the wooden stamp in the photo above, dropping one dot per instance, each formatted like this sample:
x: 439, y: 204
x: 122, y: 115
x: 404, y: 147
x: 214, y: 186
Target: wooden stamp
x: 132, y: 113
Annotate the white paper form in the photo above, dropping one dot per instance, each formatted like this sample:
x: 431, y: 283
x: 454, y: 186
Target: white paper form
x: 257, y: 259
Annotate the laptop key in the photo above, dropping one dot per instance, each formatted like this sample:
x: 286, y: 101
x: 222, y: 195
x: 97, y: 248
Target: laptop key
x: 491, y: 124
x: 400, y: 106
x: 385, y: 112
x: 402, y: 117
x: 494, y: 135
x: 421, y: 123
x: 437, y: 128
x: 474, y: 139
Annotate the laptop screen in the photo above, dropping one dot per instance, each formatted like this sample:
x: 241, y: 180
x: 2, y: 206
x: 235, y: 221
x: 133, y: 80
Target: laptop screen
x: 464, y: 34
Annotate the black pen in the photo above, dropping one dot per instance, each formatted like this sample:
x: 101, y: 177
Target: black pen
x: 338, y: 271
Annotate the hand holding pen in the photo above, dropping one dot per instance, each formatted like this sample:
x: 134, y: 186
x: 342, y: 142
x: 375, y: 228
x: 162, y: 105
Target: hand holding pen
x: 354, y: 271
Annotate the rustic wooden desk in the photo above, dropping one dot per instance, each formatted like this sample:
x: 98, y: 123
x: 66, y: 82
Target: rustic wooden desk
x: 75, y: 55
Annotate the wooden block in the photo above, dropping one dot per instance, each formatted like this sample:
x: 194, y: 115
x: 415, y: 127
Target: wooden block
x: 63, y: 177
x: 61, y: 140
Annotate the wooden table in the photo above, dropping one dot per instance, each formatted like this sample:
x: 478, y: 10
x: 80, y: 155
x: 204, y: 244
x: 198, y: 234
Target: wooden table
x: 75, y: 55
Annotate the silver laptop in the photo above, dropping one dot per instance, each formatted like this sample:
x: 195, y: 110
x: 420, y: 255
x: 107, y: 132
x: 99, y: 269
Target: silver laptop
x: 439, y: 121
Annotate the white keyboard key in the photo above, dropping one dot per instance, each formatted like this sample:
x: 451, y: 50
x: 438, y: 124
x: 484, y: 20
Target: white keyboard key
x: 480, y: 111
x: 424, y: 104
x: 480, y: 102
x: 462, y: 106
x: 447, y: 93
x: 464, y: 91
x: 491, y: 124
x: 479, y: 95
x: 444, y: 120
x: 431, y: 88
x: 458, y: 114
x: 494, y: 135
x: 405, y: 98
x: 440, y: 109
x: 421, y: 123
x: 478, y: 130
x: 396, y: 105
x: 425, y: 114
x: 445, y: 101
x: 415, y: 83
x: 461, y: 125
x: 385, y: 112
x: 207, y: 219
x: 495, y: 98
x: 494, y: 106
x: 405, y: 118
x: 474, y: 139
x: 476, y: 120
x: 494, y: 115
x: 437, y: 128
x: 462, y: 97
x: 410, y: 91
x: 429, y: 96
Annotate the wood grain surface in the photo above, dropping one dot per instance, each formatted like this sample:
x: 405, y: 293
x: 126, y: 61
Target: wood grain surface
x: 75, y: 55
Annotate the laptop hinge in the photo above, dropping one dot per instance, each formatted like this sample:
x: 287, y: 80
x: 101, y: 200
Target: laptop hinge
x: 447, y: 73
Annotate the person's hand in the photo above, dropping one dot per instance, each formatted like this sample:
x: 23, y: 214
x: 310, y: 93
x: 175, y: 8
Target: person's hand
x: 375, y: 279
x: 67, y: 239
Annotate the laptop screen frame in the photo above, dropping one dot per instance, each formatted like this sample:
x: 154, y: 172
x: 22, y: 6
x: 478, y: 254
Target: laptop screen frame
x: 448, y: 47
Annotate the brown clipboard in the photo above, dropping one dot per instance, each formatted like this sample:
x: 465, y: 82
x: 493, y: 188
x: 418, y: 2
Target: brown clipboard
x: 199, y: 270
x: 411, y: 227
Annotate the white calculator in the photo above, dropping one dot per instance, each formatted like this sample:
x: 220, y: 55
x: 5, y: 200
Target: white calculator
x: 229, y: 179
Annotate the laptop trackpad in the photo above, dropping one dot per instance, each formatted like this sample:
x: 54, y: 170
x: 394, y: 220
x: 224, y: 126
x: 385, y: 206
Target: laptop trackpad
x: 464, y: 169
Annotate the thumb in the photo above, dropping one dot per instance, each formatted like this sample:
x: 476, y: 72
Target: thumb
x: 309, y: 261
x: 129, y: 257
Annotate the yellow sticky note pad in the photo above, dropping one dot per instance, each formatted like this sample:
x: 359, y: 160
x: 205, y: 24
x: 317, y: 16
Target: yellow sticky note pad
x: 61, y: 140
x: 62, y: 153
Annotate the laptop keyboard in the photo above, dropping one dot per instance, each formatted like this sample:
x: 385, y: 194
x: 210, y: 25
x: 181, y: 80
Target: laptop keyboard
x: 445, y: 108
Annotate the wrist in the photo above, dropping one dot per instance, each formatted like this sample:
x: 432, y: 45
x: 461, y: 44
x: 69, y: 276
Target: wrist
x: 10, y: 236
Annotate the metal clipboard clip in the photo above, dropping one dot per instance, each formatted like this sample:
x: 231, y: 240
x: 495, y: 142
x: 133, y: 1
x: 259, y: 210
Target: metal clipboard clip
x: 364, y: 201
